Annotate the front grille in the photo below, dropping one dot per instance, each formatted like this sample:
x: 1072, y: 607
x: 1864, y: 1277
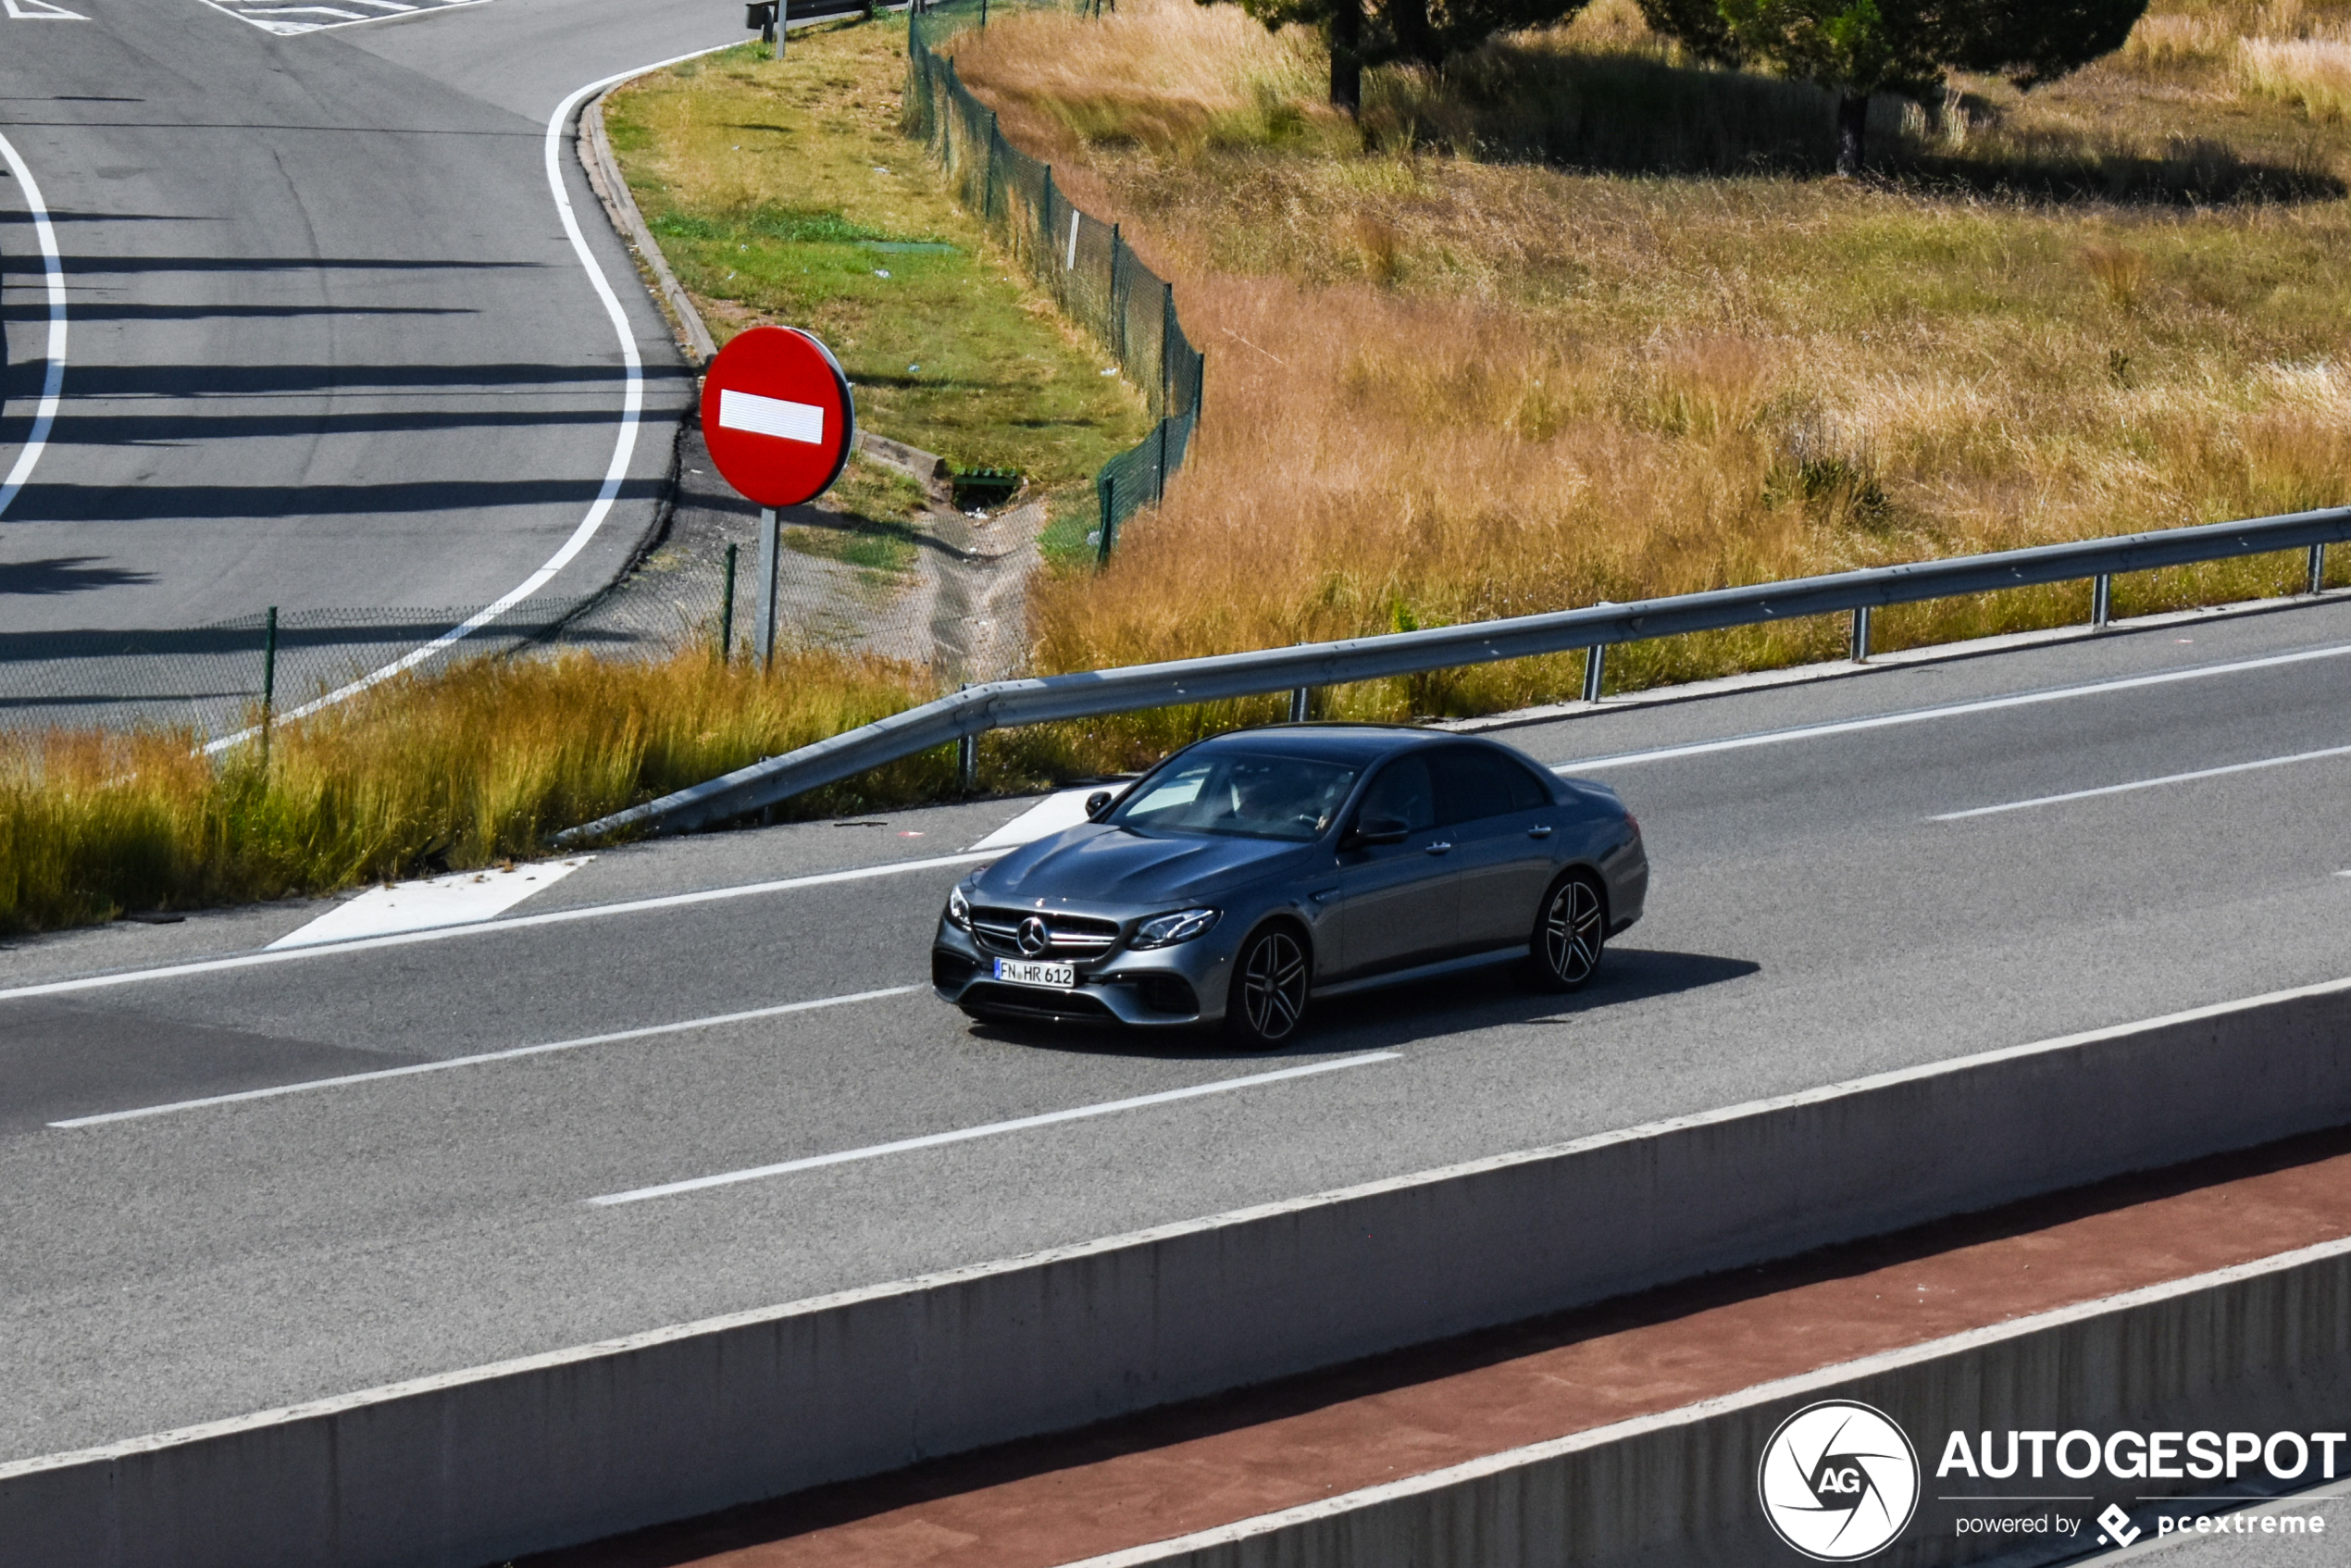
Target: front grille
x: 1024, y: 1001
x: 1073, y: 936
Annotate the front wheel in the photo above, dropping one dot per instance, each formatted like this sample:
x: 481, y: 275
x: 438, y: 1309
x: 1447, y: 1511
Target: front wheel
x: 1570, y: 935
x: 1269, y: 989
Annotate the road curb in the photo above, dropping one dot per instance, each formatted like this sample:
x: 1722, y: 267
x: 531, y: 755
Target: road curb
x: 471, y: 1467
x: 628, y: 222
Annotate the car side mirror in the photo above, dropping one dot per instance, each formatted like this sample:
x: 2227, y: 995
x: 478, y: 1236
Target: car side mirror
x: 1377, y: 831
x: 1096, y: 804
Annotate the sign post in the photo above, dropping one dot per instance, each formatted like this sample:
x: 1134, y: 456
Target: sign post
x: 780, y: 421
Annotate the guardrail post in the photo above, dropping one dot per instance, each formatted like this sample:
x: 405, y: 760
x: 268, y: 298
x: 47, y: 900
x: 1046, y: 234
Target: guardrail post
x: 1298, y: 704
x: 2318, y: 569
x: 966, y: 758
x: 1861, y: 634
x: 2101, y: 601
x: 1594, y: 670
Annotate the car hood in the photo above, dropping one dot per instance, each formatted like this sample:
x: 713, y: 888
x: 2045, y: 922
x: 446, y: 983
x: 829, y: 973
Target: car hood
x: 1093, y: 863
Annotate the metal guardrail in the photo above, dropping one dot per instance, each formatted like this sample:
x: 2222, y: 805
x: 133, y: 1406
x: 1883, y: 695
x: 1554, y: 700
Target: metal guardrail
x: 1098, y: 693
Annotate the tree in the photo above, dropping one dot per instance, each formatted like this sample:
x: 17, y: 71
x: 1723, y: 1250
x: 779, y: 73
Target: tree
x: 1427, y: 32
x: 1857, y: 47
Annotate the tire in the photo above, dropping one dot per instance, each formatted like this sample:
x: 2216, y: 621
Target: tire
x: 1271, y: 976
x: 1570, y: 933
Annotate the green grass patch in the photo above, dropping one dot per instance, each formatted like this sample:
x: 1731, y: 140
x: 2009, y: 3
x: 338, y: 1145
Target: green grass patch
x: 783, y: 190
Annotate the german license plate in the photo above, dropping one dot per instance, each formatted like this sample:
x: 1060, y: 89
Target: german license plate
x: 1028, y: 971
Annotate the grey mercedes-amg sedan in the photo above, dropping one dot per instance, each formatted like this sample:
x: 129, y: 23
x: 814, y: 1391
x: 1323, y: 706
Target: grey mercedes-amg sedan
x: 1251, y: 873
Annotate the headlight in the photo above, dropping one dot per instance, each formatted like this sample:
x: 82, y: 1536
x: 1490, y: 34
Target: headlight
x: 1166, y: 931
x: 959, y: 910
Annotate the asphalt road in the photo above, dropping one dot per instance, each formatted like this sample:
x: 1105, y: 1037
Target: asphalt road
x: 330, y: 344
x: 1811, y: 921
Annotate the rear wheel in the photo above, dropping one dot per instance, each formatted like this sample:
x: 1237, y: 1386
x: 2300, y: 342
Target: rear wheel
x: 1269, y: 989
x: 1570, y: 934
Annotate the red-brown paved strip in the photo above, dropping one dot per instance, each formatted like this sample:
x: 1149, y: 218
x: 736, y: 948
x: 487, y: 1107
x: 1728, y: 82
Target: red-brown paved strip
x: 1170, y: 1472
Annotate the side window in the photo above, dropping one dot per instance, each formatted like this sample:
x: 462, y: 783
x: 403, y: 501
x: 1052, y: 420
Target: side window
x: 1472, y: 783
x: 1401, y: 790
x: 1529, y: 792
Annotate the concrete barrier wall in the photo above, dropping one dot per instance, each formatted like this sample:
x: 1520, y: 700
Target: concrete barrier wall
x: 2263, y: 1349
x: 472, y: 1467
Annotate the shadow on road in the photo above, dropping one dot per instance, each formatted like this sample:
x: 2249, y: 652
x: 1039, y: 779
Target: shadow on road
x: 1490, y: 997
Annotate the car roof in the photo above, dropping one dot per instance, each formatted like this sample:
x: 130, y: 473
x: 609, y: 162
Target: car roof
x: 1358, y: 744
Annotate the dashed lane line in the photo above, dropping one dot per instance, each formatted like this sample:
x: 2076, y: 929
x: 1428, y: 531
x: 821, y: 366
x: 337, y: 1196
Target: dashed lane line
x: 517, y: 1054
x: 992, y: 1130
x: 1950, y: 710
x: 2143, y: 784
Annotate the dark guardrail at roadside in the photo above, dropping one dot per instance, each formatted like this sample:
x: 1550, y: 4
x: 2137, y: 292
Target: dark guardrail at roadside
x: 1097, y: 693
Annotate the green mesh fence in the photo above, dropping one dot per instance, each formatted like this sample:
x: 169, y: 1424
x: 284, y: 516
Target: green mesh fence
x: 1084, y: 263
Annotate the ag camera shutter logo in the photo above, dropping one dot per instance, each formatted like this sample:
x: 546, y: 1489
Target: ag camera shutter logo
x: 1839, y: 1481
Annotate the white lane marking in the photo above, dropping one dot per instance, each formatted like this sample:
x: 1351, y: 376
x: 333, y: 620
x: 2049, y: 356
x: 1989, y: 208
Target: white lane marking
x: 1953, y: 710
x: 265, y: 17
x: 993, y: 1129
x: 460, y: 899
x: 53, y: 381
x: 42, y: 11
x: 624, y: 441
x: 2143, y: 784
x: 778, y: 416
x: 516, y: 1054
x: 1066, y: 808
x: 487, y: 927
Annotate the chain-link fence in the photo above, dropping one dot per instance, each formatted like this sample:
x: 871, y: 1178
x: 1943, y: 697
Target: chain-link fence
x: 1086, y: 265
x: 213, y: 679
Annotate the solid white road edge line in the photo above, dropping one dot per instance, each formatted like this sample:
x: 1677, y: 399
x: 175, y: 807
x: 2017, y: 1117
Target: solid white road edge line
x: 516, y: 1054
x: 624, y: 441
x: 2144, y: 784
x: 1951, y: 710
x: 485, y: 928
x: 1688, y: 1415
x: 54, y: 379
x: 808, y: 1306
x: 992, y: 1130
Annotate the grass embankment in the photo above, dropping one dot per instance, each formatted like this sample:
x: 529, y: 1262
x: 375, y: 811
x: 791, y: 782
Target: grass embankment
x: 462, y: 769
x: 1452, y: 382
x: 784, y: 191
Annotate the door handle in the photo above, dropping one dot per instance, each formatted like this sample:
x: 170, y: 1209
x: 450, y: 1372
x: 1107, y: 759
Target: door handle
x: 1543, y: 832
x: 1438, y: 848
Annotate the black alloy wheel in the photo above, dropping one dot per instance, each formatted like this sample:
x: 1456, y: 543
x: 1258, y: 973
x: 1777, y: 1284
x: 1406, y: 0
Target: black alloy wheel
x: 1569, y: 938
x: 1269, y: 989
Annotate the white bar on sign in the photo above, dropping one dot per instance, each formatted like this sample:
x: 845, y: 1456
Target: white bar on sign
x: 771, y: 416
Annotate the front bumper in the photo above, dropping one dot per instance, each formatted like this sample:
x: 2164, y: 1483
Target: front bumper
x: 1161, y: 987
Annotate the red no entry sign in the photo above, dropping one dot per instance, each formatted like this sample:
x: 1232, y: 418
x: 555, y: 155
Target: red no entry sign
x: 776, y: 414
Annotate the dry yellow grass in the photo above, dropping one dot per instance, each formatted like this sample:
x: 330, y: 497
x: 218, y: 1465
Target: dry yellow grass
x: 1442, y: 389
x: 465, y: 768
x: 2313, y: 74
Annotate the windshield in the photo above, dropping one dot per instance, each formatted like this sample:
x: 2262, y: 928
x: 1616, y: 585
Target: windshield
x: 1240, y: 794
